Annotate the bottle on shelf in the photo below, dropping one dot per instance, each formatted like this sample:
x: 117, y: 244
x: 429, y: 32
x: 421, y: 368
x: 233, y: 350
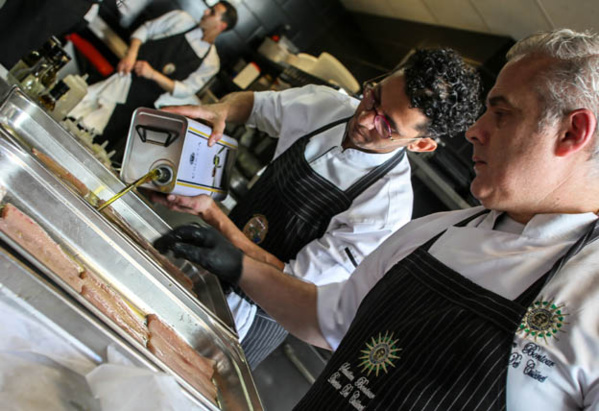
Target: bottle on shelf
x: 50, y: 99
x: 77, y: 91
x: 21, y: 69
x: 31, y: 61
x: 37, y: 72
x: 32, y: 83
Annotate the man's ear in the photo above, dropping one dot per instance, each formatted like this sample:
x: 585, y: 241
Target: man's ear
x: 423, y: 145
x: 577, y: 133
x: 223, y: 26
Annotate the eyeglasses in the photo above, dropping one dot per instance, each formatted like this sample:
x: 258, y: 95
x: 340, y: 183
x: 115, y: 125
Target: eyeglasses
x: 372, y: 102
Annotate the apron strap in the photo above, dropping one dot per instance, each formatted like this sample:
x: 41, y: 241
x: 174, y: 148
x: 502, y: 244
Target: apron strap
x: 589, y: 237
x: 326, y: 127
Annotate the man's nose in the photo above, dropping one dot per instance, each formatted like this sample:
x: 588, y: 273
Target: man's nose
x: 475, y: 133
x: 366, y: 118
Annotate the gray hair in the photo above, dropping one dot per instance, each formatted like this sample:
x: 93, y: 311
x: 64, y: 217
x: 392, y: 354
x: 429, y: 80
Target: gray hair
x: 572, y: 82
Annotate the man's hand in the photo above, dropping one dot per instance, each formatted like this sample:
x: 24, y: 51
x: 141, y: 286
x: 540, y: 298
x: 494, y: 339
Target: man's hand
x: 205, y: 246
x: 144, y: 69
x: 198, y: 205
x: 215, y: 114
x: 126, y: 64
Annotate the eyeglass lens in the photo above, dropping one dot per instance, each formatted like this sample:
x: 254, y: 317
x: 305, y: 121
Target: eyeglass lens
x: 380, y: 122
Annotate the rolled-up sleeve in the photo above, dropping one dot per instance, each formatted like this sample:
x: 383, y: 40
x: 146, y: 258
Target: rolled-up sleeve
x: 333, y: 322
x: 198, y: 78
x: 294, y: 112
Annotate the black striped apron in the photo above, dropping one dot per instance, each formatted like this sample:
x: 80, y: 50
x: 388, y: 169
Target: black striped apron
x: 174, y: 52
x: 427, y: 338
x: 298, y: 204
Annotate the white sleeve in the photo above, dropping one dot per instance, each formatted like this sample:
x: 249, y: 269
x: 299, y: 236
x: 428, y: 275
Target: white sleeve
x: 198, y: 78
x: 171, y: 23
x: 337, y: 303
x: 351, y: 235
x: 294, y: 112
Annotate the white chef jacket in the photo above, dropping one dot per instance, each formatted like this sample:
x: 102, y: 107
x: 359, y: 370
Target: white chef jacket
x: 376, y: 213
x: 173, y: 23
x: 545, y: 373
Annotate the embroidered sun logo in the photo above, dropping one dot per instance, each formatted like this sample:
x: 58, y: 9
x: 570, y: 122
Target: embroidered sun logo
x: 543, y: 319
x: 379, y: 354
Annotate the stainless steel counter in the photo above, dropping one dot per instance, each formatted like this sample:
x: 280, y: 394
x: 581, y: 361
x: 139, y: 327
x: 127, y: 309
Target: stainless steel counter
x: 35, y: 128
x: 86, y: 234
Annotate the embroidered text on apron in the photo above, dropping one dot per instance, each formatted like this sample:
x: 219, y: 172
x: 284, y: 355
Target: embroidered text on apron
x: 427, y: 338
x: 164, y: 55
x: 298, y: 205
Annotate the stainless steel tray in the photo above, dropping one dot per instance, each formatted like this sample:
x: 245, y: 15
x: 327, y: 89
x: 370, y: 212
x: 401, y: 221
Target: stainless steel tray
x: 30, y: 292
x: 87, y: 235
x: 37, y: 129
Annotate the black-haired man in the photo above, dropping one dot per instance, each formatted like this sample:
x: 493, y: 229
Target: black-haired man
x: 340, y: 182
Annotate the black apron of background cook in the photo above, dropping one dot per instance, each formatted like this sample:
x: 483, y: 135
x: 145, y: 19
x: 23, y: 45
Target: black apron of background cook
x: 299, y: 205
x: 144, y: 92
x: 453, y: 338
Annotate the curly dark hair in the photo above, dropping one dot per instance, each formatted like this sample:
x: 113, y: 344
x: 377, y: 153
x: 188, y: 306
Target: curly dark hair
x: 445, y: 88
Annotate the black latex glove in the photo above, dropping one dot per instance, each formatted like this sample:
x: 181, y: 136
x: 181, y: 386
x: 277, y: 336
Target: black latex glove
x: 205, y: 246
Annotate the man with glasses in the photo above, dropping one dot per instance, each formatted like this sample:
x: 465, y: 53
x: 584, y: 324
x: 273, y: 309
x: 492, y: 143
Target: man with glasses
x: 339, y: 183
x: 172, y: 57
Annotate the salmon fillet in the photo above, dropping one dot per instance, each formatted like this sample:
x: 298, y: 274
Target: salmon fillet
x: 111, y: 304
x: 169, y: 347
x: 33, y: 238
x: 61, y: 172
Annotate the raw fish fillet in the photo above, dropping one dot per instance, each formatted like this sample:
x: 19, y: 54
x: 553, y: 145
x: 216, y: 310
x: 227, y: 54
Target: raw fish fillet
x: 169, y: 347
x: 111, y: 304
x: 33, y: 238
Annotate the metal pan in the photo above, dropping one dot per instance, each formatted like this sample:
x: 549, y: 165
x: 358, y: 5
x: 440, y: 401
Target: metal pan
x: 87, y: 235
x: 35, y: 295
x: 31, y: 126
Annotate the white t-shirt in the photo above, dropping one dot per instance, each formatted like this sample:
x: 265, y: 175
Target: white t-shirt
x: 376, y: 213
x: 559, y: 372
x: 173, y: 23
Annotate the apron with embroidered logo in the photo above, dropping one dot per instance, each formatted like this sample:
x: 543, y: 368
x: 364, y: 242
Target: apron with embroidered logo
x: 289, y: 206
x: 427, y: 338
x: 174, y: 57
x: 293, y: 205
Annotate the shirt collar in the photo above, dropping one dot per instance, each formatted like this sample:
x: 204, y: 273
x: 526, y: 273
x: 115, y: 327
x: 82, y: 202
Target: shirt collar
x: 564, y: 226
x: 332, y: 139
x: 368, y: 159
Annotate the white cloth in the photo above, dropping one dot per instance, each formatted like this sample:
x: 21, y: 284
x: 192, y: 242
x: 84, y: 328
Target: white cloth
x: 376, y: 213
x: 121, y: 386
x: 545, y: 373
x: 176, y: 22
x: 96, y: 108
x: 41, y: 370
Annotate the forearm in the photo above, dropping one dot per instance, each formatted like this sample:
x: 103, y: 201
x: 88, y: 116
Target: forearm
x: 163, y: 81
x: 133, y: 49
x: 290, y: 301
x: 239, y: 106
x: 217, y: 219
